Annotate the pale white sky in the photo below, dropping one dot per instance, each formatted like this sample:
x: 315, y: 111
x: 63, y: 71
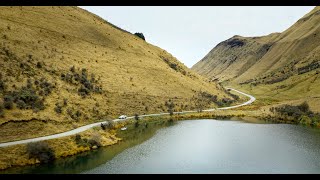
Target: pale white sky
x: 189, y: 33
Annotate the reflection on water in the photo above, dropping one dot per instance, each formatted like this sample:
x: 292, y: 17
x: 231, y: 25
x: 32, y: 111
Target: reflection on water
x: 201, y: 146
x: 88, y: 160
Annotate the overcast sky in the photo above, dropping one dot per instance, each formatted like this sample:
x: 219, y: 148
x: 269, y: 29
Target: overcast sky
x: 189, y: 33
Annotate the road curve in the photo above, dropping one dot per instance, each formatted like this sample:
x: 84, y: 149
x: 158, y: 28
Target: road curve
x: 86, y: 127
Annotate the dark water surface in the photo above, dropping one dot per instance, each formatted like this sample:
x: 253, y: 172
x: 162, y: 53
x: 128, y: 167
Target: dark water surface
x: 200, y: 146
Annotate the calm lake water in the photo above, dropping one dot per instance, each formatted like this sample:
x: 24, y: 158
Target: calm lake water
x: 200, y: 146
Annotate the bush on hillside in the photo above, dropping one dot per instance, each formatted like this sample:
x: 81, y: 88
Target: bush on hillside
x: 86, y: 84
x: 110, y: 124
x: 203, y: 99
x: 41, y: 151
x: 1, y: 110
x: 26, y: 98
x: 95, y: 140
x: 58, y: 108
x: 8, y: 102
x: 136, y: 117
x: 39, y: 65
x: 170, y: 105
x: 304, y: 107
x: 297, y: 112
x: 2, y: 85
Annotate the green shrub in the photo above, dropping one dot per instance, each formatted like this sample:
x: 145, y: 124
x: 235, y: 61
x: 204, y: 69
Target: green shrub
x: 58, y: 109
x: 289, y: 110
x: 39, y: 65
x: 78, y: 139
x: 2, y: 85
x: 78, y: 113
x: 72, y: 69
x: 85, y: 84
x: 202, y: 99
x: 8, y: 102
x: 21, y: 104
x: 103, y: 126
x: 83, y: 91
x: 38, y: 105
x: 95, y: 140
x: 69, y: 112
x: 65, y: 102
x: 63, y: 77
x: 41, y: 151
x: 26, y: 98
x: 136, y: 117
x: 110, y: 124
x: 301, y: 113
x: 1, y: 110
x: 305, y: 120
x: 170, y: 105
x: 304, y: 107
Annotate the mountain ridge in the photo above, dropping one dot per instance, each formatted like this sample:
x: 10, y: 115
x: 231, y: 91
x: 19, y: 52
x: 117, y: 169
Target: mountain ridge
x: 279, y: 67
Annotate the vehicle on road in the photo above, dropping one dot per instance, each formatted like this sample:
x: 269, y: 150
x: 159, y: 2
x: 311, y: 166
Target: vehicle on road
x: 122, y: 117
x: 123, y: 128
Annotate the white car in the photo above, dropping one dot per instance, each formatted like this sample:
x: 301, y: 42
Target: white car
x: 123, y: 117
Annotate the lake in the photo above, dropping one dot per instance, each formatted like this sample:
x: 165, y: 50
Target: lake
x: 200, y: 146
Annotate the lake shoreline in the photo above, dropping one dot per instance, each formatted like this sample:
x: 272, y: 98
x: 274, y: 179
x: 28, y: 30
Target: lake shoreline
x: 234, y: 115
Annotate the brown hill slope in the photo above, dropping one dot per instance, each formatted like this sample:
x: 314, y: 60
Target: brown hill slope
x: 233, y: 57
x: 277, y: 67
x: 62, y: 67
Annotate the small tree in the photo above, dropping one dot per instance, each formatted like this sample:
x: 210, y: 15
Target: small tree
x: 170, y: 105
x: 39, y: 65
x: 110, y: 124
x: 41, y: 151
x: 200, y: 101
x: 2, y: 85
x: 304, y: 107
x: 58, y: 108
x: 103, y: 126
x: 78, y: 138
x: 1, y: 110
x: 95, y: 140
x: 140, y: 35
x: 8, y: 102
x: 136, y: 117
x: 72, y: 69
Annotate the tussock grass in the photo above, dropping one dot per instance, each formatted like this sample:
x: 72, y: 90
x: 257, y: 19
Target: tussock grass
x: 129, y: 75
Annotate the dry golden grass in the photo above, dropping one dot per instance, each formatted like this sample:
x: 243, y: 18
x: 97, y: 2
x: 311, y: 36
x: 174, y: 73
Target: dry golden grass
x: 134, y: 74
x: 267, y: 55
x: 271, y: 58
x: 17, y: 155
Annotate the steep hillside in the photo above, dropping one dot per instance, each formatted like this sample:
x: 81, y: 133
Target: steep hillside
x: 277, y: 67
x: 62, y: 67
x: 233, y: 57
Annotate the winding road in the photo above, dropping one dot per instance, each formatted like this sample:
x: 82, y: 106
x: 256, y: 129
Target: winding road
x: 86, y: 127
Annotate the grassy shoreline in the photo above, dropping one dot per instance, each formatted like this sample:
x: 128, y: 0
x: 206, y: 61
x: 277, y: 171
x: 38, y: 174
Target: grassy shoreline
x: 15, y: 156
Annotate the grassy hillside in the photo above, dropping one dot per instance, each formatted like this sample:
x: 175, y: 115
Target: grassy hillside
x: 62, y: 67
x: 233, y: 57
x: 280, y: 68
